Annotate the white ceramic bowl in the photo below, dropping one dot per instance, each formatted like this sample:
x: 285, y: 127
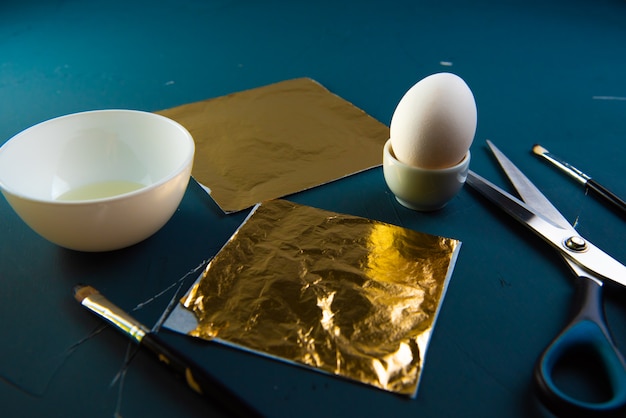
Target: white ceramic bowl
x: 423, y: 189
x: 98, y: 180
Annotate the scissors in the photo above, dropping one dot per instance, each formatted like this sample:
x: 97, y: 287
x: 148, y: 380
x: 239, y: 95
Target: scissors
x: 588, y: 327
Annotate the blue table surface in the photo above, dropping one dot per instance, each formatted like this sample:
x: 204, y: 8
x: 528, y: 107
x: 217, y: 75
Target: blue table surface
x: 542, y: 72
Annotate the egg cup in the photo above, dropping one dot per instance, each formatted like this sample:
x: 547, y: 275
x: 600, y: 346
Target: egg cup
x: 423, y: 189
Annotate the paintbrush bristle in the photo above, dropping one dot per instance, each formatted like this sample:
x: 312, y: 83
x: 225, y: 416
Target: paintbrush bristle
x: 82, y: 291
x: 539, y: 150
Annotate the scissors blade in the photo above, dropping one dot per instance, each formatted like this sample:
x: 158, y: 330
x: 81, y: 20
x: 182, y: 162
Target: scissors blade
x: 592, y: 259
x: 528, y: 191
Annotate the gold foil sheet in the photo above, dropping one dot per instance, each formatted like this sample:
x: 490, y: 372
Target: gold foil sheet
x: 341, y: 294
x: 275, y: 140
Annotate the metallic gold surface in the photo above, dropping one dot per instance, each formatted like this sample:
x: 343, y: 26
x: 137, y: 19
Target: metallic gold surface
x: 342, y: 294
x: 271, y: 141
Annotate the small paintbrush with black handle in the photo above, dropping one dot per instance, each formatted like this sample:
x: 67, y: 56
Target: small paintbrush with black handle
x: 196, y: 378
x: 590, y: 184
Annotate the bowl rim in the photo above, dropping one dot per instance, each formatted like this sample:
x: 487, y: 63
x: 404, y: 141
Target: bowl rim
x: 174, y: 173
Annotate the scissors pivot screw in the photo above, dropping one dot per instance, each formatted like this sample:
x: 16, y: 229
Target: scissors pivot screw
x: 576, y: 243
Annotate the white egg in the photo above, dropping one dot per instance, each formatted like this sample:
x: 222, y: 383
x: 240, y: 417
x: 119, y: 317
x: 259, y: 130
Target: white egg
x: 434, y: 123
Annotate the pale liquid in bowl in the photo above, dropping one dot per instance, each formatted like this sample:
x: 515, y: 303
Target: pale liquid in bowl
x: 100, y: 190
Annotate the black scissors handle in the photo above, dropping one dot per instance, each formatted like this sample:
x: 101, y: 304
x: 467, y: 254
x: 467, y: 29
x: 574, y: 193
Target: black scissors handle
x: 587, y: 330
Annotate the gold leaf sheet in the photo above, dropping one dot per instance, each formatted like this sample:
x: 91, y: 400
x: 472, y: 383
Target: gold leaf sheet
x: 341, y: 294
x: 275, y: 140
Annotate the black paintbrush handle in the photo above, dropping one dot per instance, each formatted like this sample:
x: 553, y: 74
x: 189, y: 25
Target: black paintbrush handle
x: 607, y: 195
x: 198, y: 379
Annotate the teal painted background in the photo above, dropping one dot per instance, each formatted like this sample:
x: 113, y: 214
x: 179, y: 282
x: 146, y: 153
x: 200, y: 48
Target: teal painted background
x: 542, y: 72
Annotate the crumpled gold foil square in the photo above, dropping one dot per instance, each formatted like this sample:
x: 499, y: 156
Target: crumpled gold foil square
x: 341, y: 294
x: 275, y: 140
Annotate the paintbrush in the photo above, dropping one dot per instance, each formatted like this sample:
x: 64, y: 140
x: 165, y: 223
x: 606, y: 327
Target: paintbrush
x: 196, y: 378
x: 590, y: 184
